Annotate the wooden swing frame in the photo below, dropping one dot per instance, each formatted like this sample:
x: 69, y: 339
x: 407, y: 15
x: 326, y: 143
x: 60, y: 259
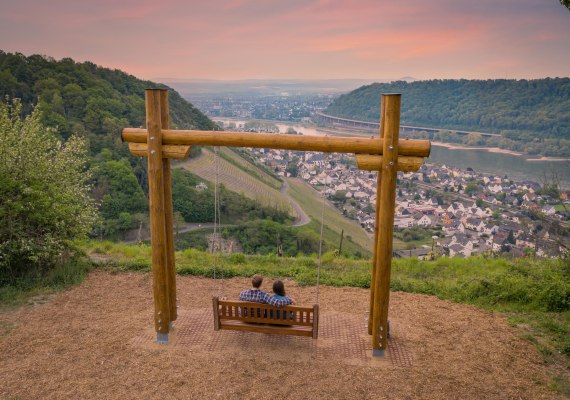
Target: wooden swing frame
x: 385, y: 154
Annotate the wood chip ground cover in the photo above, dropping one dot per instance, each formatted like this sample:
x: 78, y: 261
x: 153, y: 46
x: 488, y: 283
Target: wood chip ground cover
x: 80, y: 344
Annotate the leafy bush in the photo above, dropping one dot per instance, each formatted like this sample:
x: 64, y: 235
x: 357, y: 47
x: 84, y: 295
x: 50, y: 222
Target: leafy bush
x: 44, y: 197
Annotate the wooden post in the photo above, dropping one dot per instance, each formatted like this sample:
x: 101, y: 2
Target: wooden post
x: 168, y: 214
x: 386, y: 223
x: 315, y: 321
x: 377, y: 216
x: 216, y: 313
x: 157, y: 220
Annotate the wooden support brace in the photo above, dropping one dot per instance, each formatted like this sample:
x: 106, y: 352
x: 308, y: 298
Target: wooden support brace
x: 370, y: 162
x: 177, y: 152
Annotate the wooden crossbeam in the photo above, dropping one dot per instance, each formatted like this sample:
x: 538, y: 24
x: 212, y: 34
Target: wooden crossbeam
x: 367, y: 162
x: 327, y: 144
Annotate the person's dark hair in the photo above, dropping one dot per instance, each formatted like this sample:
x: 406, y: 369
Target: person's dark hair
x: 279, y: 288
x: 256, y: 281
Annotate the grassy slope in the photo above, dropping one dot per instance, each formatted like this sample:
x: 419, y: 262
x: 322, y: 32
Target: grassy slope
x: 252, y: 169
x: 257, y: 184
x: 237, y: 179
x: 311, y: 201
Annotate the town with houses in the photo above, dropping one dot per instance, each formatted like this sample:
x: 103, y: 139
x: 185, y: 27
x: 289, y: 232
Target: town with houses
x: 466, y: 212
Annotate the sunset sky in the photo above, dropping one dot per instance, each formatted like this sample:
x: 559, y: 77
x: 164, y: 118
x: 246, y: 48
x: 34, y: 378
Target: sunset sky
x: 239, y: 39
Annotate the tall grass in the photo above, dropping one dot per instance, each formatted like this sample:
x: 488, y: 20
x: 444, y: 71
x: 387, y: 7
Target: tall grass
x: 518, y: 285
x: 70, y: 272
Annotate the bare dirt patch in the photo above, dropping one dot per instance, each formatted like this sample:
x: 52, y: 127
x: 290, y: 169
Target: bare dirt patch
x: 92, y: 341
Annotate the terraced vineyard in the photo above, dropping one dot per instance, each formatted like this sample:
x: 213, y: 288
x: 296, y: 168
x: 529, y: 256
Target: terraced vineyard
x: 238, y: 180
x: 255, y: 171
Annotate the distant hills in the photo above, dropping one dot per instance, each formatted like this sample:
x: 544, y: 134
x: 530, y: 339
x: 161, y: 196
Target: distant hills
x: 199, y: 88
x: 525, y: 110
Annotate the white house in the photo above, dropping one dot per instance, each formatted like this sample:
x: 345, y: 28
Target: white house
x: 424, y: 221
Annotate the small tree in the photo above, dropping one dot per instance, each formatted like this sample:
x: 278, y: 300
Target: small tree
x: 44, y: 199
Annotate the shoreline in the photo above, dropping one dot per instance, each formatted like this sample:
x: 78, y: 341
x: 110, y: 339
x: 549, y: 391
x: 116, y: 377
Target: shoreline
x: 498, y: 150
x: 454, y: 146
x: 559, y: 159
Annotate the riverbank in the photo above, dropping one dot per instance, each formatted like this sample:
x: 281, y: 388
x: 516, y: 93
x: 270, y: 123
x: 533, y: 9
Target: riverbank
x: 498, y: 150
x: 558, y: 159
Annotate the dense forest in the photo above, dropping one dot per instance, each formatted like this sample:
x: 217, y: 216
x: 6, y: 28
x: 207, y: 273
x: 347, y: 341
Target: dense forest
x: 531, y: 115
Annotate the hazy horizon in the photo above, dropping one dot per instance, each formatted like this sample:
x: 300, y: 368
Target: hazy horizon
x: 300, y: 39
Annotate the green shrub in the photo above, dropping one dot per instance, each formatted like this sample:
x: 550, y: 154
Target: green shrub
x: 44, y: 196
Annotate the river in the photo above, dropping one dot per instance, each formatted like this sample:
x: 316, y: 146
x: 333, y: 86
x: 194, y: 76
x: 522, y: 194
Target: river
x: 515, y: 167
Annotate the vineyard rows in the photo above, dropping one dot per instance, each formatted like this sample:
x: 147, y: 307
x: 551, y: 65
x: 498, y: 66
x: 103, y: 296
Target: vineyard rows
x: 237, y: 180
x: 258, y: 173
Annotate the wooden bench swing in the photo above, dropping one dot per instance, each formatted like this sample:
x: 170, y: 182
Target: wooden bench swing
x: 257, y: 317
x: 247, y: 316
x: 384, y: 153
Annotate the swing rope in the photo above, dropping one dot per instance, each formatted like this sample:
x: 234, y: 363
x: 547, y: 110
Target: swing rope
x: 321, y: 236
x: 216, y: 242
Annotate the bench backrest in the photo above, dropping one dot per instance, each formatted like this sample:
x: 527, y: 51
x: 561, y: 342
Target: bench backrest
x: 260, y: 317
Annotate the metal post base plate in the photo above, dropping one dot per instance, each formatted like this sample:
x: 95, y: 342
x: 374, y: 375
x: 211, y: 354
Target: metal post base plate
x: 162, y: 338
x: 377, y: 353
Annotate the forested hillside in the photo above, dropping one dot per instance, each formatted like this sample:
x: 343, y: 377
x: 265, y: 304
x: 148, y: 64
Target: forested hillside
x: 95, y: 103
x: 523, y: 111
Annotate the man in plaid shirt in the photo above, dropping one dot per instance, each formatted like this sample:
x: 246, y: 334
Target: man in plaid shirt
x: 257, y: 295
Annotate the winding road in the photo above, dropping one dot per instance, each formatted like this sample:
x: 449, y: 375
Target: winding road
x: 302, y: 217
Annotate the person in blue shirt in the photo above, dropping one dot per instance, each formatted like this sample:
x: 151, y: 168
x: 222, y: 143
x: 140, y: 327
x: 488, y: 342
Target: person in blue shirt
x: 279, y: 293
x: 280, y: 297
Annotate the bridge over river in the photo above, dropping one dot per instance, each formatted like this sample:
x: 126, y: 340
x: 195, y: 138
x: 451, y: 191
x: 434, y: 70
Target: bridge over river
x: 338, y: 122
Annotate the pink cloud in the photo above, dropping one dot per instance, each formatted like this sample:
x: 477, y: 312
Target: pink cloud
x: 296, y: 38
